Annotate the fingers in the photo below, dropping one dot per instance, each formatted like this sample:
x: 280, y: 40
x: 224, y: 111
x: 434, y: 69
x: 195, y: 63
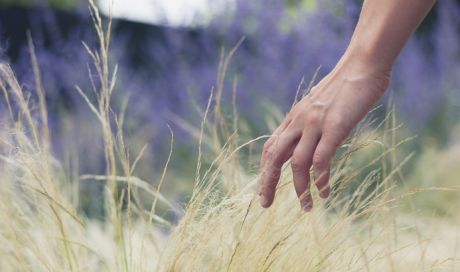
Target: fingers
x: 276, y: 155
x: 313, y: 149
x: 322, y: 157
x: 270, y: 142
x: 300, y: 163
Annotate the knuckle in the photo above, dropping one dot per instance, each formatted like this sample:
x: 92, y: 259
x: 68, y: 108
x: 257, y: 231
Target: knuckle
x: 312, y: 93
x: 266, y: 145
x: 336, y: 123
x: 269, y: 153
x: 297, y: 165
x: 333, y: 138
x: 335, y: 120
x: 269, y: 142
x: 314, y: 116
x: 264, y: 186
x: 311, y: 118
x: 319, y: 161
x: 271, y: 181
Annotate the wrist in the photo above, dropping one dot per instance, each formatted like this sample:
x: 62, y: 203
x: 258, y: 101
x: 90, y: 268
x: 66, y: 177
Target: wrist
x: 357, y: 68
x: 363, y: 59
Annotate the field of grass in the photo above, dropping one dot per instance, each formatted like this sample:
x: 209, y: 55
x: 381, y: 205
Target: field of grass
x: 376, y: 219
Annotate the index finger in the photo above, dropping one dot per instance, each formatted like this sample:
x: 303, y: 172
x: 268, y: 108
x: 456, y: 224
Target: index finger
x: 278, y: 154
x: 273, y: 138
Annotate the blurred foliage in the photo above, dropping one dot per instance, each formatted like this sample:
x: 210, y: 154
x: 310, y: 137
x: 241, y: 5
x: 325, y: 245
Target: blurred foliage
x: 62, y: 4
x: 435, y: 167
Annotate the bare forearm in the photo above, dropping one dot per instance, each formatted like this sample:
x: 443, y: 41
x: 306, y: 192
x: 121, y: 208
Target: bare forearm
x: 383, y: 28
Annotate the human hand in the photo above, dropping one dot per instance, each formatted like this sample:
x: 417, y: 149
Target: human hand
x: 317, y: 125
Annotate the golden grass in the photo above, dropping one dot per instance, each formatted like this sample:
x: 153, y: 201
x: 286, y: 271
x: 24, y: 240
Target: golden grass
x: 222, y: 227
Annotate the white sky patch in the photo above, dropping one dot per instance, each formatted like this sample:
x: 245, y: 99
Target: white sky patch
x: 166, y: 12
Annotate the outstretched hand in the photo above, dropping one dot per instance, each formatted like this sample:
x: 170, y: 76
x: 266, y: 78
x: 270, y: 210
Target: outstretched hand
x: 316, y: 126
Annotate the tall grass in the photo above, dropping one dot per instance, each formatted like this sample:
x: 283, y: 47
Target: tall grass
x: 222, y: 227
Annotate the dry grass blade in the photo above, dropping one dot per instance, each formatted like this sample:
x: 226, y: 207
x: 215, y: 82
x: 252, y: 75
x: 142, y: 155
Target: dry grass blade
x: 360, y: 228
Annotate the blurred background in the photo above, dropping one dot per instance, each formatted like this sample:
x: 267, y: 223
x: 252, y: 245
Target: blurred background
x: 168, y: 53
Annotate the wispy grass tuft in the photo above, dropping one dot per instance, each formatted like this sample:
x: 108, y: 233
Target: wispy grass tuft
x: 222, y: 228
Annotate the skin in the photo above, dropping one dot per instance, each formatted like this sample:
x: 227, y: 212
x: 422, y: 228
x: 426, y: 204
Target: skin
x: 318, y: 124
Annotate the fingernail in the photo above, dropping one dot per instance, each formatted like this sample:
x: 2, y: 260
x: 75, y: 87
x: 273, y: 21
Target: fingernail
x: 325, y: 192
x: 306, y: 206
x: 263, y: 201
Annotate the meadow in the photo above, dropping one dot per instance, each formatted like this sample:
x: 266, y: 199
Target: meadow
x: 393, y: 207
